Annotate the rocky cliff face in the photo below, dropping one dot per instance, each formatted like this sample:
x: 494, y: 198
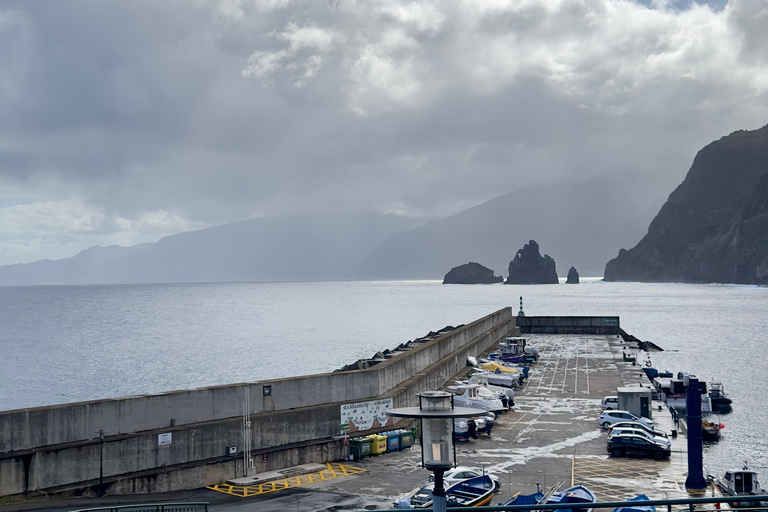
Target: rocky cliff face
x: 471, y: 273
x: 714, y: 226
x: 573, y: 276
x: 530, y: 267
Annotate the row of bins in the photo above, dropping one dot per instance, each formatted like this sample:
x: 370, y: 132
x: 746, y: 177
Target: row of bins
x: 376, y: 444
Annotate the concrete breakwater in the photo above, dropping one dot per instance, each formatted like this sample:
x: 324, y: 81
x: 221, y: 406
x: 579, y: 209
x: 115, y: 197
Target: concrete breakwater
x: 183, y: 439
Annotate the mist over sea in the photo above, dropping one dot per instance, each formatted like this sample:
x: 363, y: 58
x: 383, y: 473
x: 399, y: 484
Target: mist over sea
x: 62, y: 344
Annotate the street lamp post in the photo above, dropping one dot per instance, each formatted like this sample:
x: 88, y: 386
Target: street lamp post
x: 438, y: 453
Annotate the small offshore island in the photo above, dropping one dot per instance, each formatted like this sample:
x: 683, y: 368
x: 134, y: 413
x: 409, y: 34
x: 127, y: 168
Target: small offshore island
x: 471, y: 273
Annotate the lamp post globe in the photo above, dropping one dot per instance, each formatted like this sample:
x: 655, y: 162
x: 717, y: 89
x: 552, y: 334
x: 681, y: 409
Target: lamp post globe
x: 438, y: 453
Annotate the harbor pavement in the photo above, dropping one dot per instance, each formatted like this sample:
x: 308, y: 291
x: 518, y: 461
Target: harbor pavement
x: 550, y: 437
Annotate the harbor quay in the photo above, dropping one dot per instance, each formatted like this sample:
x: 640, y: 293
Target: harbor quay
x: 550, y: 437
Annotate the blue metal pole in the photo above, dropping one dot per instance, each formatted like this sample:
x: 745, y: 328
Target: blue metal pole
x: 695, y: 480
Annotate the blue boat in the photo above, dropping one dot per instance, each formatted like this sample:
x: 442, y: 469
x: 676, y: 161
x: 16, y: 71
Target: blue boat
x: 638, y: 507
x: 525, y: 499
x: 577, y: 494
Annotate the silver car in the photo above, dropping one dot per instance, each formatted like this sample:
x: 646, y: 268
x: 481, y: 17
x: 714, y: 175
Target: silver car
x: 616, y: 431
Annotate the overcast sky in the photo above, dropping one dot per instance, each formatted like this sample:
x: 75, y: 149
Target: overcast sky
x: 125, y: 121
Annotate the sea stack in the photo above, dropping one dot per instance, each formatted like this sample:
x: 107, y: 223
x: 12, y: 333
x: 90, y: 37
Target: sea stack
x: 471, y: 273
x: 573, y: 276
x: 530, y: 267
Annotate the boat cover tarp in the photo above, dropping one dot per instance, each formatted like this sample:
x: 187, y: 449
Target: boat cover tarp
x: 496, y: 367
x: 638, y: 507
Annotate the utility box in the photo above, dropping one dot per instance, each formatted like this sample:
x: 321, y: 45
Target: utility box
x: 636, y: 400
x: 231, y: 450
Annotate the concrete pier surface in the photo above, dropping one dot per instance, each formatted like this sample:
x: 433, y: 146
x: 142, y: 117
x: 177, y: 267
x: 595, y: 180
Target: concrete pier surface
x: 551, y: 436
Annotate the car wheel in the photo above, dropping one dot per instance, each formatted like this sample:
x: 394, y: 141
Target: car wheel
x: 659, y: 454
x: 606, y: 425
x: 609, y: 408
x: 616, y: 452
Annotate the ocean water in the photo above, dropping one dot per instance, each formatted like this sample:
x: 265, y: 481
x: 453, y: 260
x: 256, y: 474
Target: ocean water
x: 62, y: 344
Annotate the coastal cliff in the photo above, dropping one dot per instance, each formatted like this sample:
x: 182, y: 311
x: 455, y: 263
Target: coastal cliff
x: 714, y: 226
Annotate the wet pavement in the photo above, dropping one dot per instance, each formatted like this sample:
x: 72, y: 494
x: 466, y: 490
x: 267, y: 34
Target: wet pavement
x: 551, y: 436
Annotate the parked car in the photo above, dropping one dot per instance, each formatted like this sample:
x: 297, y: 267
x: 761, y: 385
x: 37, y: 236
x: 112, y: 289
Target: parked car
x: 460, y: 473
x: 608, y: 418
x: 610, y: 403
x: 616, y: 431
x: 634, y: 424
x: 630, y: 444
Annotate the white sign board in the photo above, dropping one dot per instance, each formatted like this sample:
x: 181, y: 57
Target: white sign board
x: 163, y: 439
x: 367, y: 415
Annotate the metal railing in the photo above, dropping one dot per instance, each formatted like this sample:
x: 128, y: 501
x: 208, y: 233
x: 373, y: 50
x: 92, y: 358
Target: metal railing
x: 152, y: 507
x: 679, y: 504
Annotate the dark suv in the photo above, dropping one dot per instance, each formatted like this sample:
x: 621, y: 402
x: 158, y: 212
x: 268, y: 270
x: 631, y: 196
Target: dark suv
x: 631, y: 444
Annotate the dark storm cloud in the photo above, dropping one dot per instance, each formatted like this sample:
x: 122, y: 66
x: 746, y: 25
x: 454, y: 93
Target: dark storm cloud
x: 137, y: 119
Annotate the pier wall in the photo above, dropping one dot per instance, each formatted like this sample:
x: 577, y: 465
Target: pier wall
x: 293, y: 421
x: 569, y: 324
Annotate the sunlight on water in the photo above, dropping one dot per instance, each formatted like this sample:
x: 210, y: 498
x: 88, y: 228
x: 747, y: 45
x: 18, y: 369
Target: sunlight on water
x: 71, y: 343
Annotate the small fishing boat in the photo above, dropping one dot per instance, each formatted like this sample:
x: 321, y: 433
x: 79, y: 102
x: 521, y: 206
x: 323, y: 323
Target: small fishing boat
x: 514, y: 350
x: 741, y: 483
x: 652, y: 372
x: 474, y: 492
x: 476, y: 396
x: 507, y: 380
x: 577, y: 494
x: 720, y: 401
x: 710, y: 430
x: 536, y: 498
x: 673, y: 392
x: 639, y: 507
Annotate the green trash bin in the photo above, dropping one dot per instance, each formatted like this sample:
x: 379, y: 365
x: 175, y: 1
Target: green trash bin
x: 414, y: 434
x: 406, y: 439
x: 360, y: 448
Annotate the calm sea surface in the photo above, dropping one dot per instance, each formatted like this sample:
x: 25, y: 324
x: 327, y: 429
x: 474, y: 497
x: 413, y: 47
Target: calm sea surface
x: 70, y: 343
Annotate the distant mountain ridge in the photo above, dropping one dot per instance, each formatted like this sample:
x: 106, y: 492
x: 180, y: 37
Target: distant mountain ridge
x: 714, y: 227
x: 580, y: 224
x: 294, y: 248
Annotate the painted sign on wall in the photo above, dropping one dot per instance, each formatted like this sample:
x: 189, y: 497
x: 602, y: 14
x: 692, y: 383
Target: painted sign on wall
x: 367, y: 415
x: 163, y: 439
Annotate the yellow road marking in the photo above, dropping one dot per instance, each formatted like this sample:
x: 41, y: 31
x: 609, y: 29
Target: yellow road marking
x: 333, y: 470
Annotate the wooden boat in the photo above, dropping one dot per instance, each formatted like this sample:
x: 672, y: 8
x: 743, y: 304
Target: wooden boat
x: 577, y: 494
x: 473, y: 492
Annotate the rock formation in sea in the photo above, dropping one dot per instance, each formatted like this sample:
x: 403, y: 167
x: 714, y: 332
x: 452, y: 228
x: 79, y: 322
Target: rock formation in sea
x: 471, y: 273
x: 714, y: 226
x: 573, y: 276
x: 530, y: 267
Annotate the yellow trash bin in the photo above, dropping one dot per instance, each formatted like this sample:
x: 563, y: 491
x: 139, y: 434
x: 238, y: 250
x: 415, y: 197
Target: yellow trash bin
x: 378, y: 444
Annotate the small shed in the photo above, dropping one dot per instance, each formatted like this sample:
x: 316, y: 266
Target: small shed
x: 636, y: 400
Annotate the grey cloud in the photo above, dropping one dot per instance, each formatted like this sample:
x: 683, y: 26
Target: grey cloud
x: 211, y: 113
